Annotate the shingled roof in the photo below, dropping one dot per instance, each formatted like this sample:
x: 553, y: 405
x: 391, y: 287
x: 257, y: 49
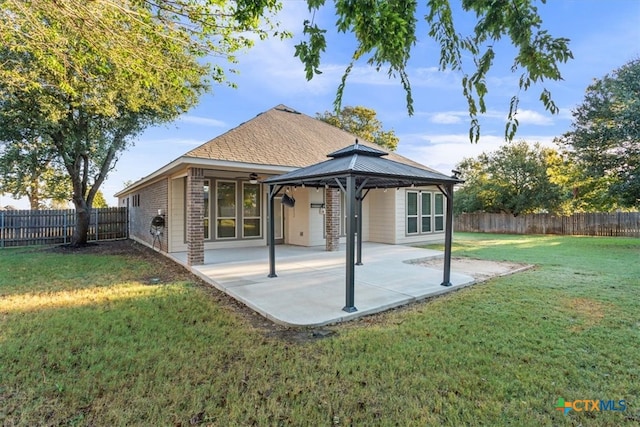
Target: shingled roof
x: 282, y: 136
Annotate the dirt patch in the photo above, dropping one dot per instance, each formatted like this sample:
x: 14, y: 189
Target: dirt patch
x: 587, y: 312
x: 479, y: 269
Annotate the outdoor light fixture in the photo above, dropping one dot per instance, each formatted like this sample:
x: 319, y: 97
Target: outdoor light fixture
x: 253, y: 178
x: 288, y: 201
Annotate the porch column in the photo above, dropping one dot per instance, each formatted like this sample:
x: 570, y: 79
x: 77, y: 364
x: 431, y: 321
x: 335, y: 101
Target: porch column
x: 195, y: 215
x: 332, y: 219
x: 448, y: 234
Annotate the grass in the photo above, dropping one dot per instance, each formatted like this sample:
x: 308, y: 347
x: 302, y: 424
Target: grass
x: 84, y: 339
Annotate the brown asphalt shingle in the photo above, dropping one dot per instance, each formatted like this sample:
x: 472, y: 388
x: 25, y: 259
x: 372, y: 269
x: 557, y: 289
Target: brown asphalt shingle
x: 281, y: 136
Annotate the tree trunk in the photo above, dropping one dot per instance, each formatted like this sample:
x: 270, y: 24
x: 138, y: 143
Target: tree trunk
x: 34, y: 204
x: 83, y: 216
x: 33, y: 194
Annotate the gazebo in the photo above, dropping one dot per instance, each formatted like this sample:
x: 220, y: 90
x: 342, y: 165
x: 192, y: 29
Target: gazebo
x: 355, y: 170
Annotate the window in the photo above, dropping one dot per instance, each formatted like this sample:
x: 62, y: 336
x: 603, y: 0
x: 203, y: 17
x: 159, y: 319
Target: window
x: 439, y: 211
x: 251, y: 210
x: 425, y: 215
x: 225, y: 209
x: 207, y: 190
x: 135, y: 201
x: 412, y: 212
x: 425, y: 212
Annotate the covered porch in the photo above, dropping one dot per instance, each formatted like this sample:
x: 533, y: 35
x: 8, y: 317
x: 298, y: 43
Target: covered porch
x: 309, y: 288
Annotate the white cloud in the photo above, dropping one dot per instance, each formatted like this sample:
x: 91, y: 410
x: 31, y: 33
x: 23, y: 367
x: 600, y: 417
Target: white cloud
x: 459, y: 116
x: 533, y: 118
x: 565, y: 113
x: 447, y: 118
x: 443, y: 151
x: 202, y: 121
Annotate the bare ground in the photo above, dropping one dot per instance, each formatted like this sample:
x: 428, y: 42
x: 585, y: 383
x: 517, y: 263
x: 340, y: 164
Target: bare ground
x: 479, y: 269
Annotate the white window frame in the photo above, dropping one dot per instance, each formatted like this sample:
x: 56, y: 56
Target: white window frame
x: 259, y: 205
x: 436, y: 196
x: 420, y: 215
x: 428, y: 215
x: 235, y: 217
x: 415, y: 216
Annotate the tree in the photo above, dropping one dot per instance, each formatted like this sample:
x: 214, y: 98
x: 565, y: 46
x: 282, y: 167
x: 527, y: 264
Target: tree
x: 27, y: 169
x: 514, y: 179
x: 604, y: 140
x: 87, y: 76
x: 361, y: 121
x: 386, y: 30
x: 99, y: 201
x: 83, y: 78
x: 583, y: 193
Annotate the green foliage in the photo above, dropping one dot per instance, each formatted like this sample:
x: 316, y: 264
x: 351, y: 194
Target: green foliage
x: 28, y: 169
x: 99, y: 201
x: 87, y: 341
x: 514, y: 179
x: 361, y: 121
x: 386, y: 32
x: 604, y: 141
x: 84, y: 78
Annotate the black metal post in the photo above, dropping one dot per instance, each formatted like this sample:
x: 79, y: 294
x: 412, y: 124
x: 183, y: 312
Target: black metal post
x: 448, y: 235
x: 351, y: 230
x: 271, y: 241
x: 359, y: 226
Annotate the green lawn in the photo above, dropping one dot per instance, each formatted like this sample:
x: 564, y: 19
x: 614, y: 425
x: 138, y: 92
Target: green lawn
x: 85, y: 339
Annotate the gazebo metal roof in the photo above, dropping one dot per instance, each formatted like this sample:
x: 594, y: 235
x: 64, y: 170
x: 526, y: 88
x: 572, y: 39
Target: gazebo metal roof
x: 366, y: 164
x: 353, y: 170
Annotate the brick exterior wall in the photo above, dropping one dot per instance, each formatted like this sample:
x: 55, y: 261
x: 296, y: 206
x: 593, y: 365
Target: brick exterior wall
x: 195, y: 214
x: 151, y: 198
x: 332, y: 218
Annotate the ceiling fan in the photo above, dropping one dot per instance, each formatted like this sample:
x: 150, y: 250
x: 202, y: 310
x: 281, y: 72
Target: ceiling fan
x: 253, y: 177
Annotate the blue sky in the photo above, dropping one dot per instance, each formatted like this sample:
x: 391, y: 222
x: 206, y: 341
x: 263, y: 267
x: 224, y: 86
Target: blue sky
x: 605, y: 34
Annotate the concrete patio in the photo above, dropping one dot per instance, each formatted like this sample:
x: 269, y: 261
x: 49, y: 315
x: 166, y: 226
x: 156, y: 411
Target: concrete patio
x: 310, y: 287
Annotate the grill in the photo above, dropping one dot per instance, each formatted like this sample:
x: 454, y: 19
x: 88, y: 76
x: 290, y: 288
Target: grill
x: 157, y: 229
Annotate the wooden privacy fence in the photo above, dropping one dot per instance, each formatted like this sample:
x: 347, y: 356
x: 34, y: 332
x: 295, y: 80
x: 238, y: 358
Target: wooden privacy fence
x: 46, y: 227
x: 585, y: 224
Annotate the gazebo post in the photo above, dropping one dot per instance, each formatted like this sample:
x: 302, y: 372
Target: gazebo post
x: 271, y: 241
x: 359, y: 198
x: 448, y: 193
x: 351, y: 230
x: 359, y: 226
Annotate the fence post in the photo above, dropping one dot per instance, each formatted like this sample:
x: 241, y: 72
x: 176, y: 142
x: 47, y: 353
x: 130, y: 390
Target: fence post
x: 2, y: 228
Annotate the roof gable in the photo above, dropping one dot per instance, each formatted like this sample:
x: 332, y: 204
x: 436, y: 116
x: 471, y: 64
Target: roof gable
x: 282, y: 136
